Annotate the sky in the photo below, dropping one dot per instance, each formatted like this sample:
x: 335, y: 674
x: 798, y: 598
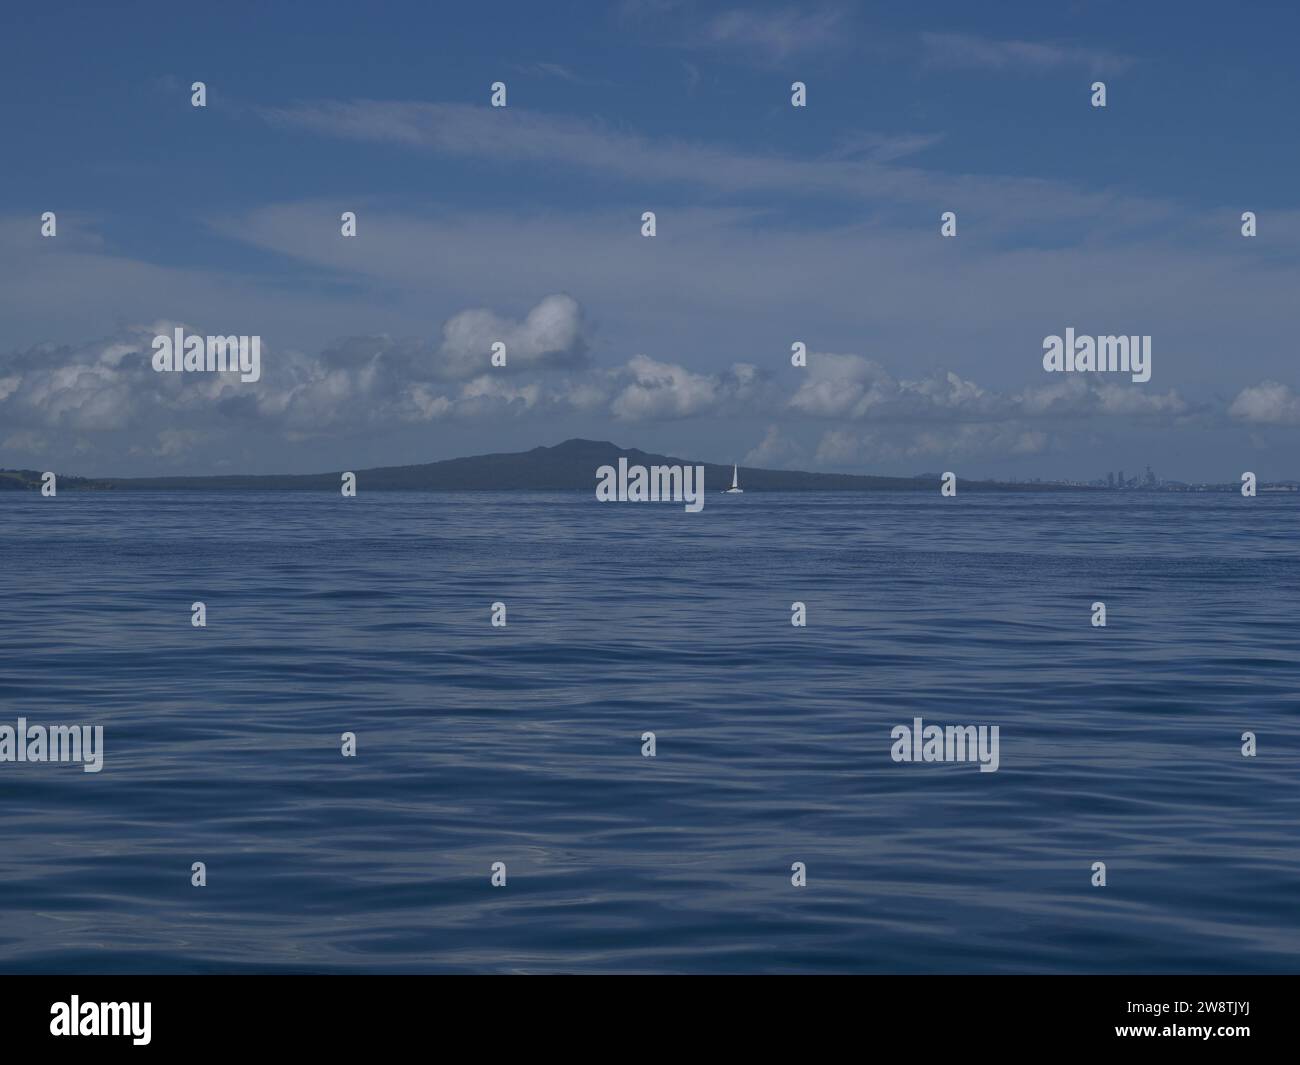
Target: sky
x: 774, y: 225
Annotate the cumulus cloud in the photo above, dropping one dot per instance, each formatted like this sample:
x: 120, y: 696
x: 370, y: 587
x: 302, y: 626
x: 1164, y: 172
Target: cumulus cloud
x: 853, y: 387
x: 658, y: 389
x: 109, y: 384
x: 361, y: 383
x: 640, y: 390
x: 378, y: 384
x: 1081, y: 395
x: 75, y: 389
x: 1268, y: 403
x: 846, y: 448
x: 549, y: 337
x: 648, y: 389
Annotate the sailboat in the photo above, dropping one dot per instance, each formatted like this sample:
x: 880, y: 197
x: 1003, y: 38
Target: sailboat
x: 735, y: 482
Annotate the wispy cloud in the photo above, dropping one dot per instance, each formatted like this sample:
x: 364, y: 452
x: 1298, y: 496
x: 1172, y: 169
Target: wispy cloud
x: 774, y: 35
x: 776, y: 450
x: 884, y: 148
x: 516, y: 135
x: 558, y: 71
x: 967, y: 51
x: 761, y: 36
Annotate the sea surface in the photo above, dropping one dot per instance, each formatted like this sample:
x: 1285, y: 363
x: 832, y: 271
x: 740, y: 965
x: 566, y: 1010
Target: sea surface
x: 523, y: 744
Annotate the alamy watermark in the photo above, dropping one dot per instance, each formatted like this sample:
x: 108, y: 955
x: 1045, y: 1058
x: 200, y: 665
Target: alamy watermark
x: 639, y: 484
x: 53, y: 743
x: 102, y: 1018
x: 1108, y: 354
x: 954, y: 743
x: 196, y: 354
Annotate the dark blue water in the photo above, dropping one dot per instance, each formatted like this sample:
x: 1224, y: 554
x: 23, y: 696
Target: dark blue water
x: 523, y: 744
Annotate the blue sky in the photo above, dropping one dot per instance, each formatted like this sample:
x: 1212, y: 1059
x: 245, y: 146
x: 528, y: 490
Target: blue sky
x: 776, y: 224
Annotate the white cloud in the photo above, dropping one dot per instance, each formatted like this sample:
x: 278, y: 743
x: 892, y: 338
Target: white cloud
x: 515, y: 135
x: 773, y: 34
x: 549, y: 337
x: 962, y: 50
x: 884, y: 148
x: 24, y: 440
x: 1078, y: 395
x: 846, y: 448
x: 375, y: 383
x: 1268, y: 403
x: 109, y: 385
x: 663, y: 390
x: 850, y: 386
x: 853, y: 387
x: 775, y: 451
x: 551, y: 70
x: 73, y: 389
x: 175, y: 442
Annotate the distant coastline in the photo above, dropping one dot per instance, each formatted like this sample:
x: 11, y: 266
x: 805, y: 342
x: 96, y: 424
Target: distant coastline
x: 570, y: 466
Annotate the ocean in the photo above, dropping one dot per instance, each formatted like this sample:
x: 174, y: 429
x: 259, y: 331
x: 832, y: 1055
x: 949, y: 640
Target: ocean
x: 523, y: 744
